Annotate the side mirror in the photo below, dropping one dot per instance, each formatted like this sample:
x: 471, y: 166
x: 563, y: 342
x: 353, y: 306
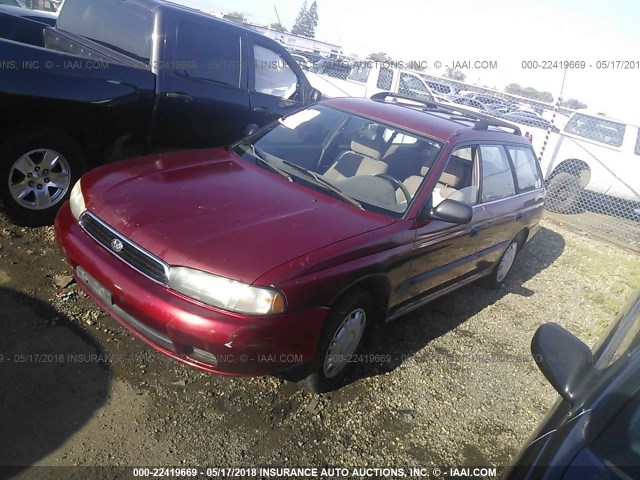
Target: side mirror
x: 251, y: 129
x: 315, y: 95
x: 563, y: 359
x: 452, y: 211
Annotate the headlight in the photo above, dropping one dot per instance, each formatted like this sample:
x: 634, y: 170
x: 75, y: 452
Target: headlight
x: 76, y: 200
x: 225, y: 293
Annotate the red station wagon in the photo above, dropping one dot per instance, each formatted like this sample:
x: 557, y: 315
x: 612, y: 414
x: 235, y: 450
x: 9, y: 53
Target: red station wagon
x: 286, y: 252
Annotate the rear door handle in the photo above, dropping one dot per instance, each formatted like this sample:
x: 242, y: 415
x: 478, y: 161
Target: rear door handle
x: 518, y: 216
x: 262, y: 110
x: 179, y: 96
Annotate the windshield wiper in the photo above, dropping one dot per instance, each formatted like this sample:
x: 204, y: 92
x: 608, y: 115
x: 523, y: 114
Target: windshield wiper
x: 321, y: 181
x: 263, y: 161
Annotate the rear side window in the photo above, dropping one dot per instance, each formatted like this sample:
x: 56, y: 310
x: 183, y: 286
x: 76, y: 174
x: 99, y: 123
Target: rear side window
x: 526, y: 168
x: 124, y: 27
x: 594, y: 128
x: 384, y: 78
x: 208, y: 53
x: 412, y: 86
x: 497, y: 177
x: 638, y: 143
x: 273, y: 75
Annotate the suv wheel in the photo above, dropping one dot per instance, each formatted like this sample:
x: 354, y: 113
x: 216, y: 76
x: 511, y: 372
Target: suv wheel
x: 344, y: 334
x: 564, y: 191
x: 37, y: 172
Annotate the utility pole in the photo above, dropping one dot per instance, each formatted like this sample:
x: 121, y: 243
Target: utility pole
x: 278, y: 16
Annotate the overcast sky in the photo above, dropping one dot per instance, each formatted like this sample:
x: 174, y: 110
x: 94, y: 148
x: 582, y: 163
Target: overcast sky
x: 506, y: 31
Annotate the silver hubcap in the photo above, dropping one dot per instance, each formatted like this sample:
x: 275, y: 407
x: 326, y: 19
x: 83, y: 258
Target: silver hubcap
x: 507, y: 261
x: 344, y: 343
x: 39, y: 179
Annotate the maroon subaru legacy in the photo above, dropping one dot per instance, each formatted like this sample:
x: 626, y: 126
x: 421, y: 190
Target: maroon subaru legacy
x: 286, y: 252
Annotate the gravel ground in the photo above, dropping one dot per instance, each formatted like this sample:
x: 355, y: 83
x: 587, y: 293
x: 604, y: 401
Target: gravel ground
x: 459, y: 387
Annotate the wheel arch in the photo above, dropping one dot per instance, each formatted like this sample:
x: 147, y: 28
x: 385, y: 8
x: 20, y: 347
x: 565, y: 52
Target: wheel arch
x: 377, y: 286
x: 89, y: 145
x: 574, y: 166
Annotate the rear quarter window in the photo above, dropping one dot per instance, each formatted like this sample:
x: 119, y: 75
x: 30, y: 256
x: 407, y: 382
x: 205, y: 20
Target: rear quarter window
x: 525, y: 167
x: 124, y: 27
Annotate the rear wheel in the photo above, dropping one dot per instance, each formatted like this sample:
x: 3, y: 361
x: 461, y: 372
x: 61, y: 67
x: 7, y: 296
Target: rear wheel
x: 37, y: 172
x: 564, y: 191
x: 501, y: 271
x: 343, y: 337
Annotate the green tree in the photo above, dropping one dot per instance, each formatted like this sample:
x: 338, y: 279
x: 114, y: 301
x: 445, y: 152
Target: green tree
x: 573, y: 104
x: 306, y: 21
x: 237, y: 17
x: 529, y: 92
x: 312, y: 20
x: 456, y: 74
x: 278, y: 26
x: 379, y: 57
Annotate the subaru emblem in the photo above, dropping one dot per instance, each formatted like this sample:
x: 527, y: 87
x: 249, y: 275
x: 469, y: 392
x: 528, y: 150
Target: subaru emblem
x: 117, y: 245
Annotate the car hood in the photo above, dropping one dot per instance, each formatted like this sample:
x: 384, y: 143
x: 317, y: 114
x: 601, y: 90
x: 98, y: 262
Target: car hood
x: 213, y: 211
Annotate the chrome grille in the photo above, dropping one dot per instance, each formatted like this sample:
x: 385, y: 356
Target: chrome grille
x: 127, y: 251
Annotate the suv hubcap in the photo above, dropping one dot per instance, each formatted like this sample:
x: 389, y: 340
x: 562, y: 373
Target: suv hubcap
x: 507, y: 261
x: 39, y: 179
x: 344, y: 343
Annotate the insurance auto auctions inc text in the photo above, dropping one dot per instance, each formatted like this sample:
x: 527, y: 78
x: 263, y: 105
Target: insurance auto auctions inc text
x: 361, y: 472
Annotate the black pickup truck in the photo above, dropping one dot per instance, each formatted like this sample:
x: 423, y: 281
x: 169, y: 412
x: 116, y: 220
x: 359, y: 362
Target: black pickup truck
x: 117, y: 78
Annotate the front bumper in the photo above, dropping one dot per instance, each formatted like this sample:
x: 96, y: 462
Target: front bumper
x: 183, y: 329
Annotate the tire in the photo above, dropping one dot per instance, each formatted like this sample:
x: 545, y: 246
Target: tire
x: 31, y: 192
x: 502, y: 269
x: 352, y: 316
x: 564, y: 191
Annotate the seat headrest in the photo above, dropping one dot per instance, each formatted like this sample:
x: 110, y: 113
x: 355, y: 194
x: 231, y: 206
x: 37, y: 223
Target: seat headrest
x: 367, y: 151
x: 450, y: 179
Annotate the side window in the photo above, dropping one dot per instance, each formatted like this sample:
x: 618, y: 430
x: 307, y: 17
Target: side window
x: 526, y: 167
x: 359, y: 72
x: 638, y: 143
x: 208, y: 53
x: 412, y: 86
x: 273, y: 75
x: 497, y: 177
x: 458, y: 180
x: 384, y: 78
x: 595, y: 128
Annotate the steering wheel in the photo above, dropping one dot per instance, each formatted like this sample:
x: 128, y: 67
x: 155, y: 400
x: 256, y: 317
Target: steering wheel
x: 396, y: 183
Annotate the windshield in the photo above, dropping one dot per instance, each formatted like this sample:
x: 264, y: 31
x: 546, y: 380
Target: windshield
x: 366, y: 163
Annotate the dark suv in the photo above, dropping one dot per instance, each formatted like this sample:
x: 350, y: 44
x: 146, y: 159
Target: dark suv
x: 289, y: 249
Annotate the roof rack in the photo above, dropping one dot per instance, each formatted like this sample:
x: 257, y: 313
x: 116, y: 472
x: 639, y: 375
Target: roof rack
x: 482, y: 120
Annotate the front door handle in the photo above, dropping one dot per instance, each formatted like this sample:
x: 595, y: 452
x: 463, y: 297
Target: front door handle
x: 262, y: 110
x: 474, y: 231
x: 518, y: 216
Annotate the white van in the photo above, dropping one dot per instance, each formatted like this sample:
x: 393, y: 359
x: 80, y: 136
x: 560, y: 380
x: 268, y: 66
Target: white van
x: 593, y: 153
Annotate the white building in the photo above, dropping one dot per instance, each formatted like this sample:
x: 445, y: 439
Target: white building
x: 298, y: 42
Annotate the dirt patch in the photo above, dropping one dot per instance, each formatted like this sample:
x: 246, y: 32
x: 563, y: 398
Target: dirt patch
x: 459, y: 386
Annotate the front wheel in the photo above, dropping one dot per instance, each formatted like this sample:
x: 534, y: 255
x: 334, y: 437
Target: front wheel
x: 37, y: 172
x: 564, y: 191
x: 344, y: 334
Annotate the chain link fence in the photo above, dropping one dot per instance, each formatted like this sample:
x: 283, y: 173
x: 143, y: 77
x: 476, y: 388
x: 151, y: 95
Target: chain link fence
x: 591, y: 163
